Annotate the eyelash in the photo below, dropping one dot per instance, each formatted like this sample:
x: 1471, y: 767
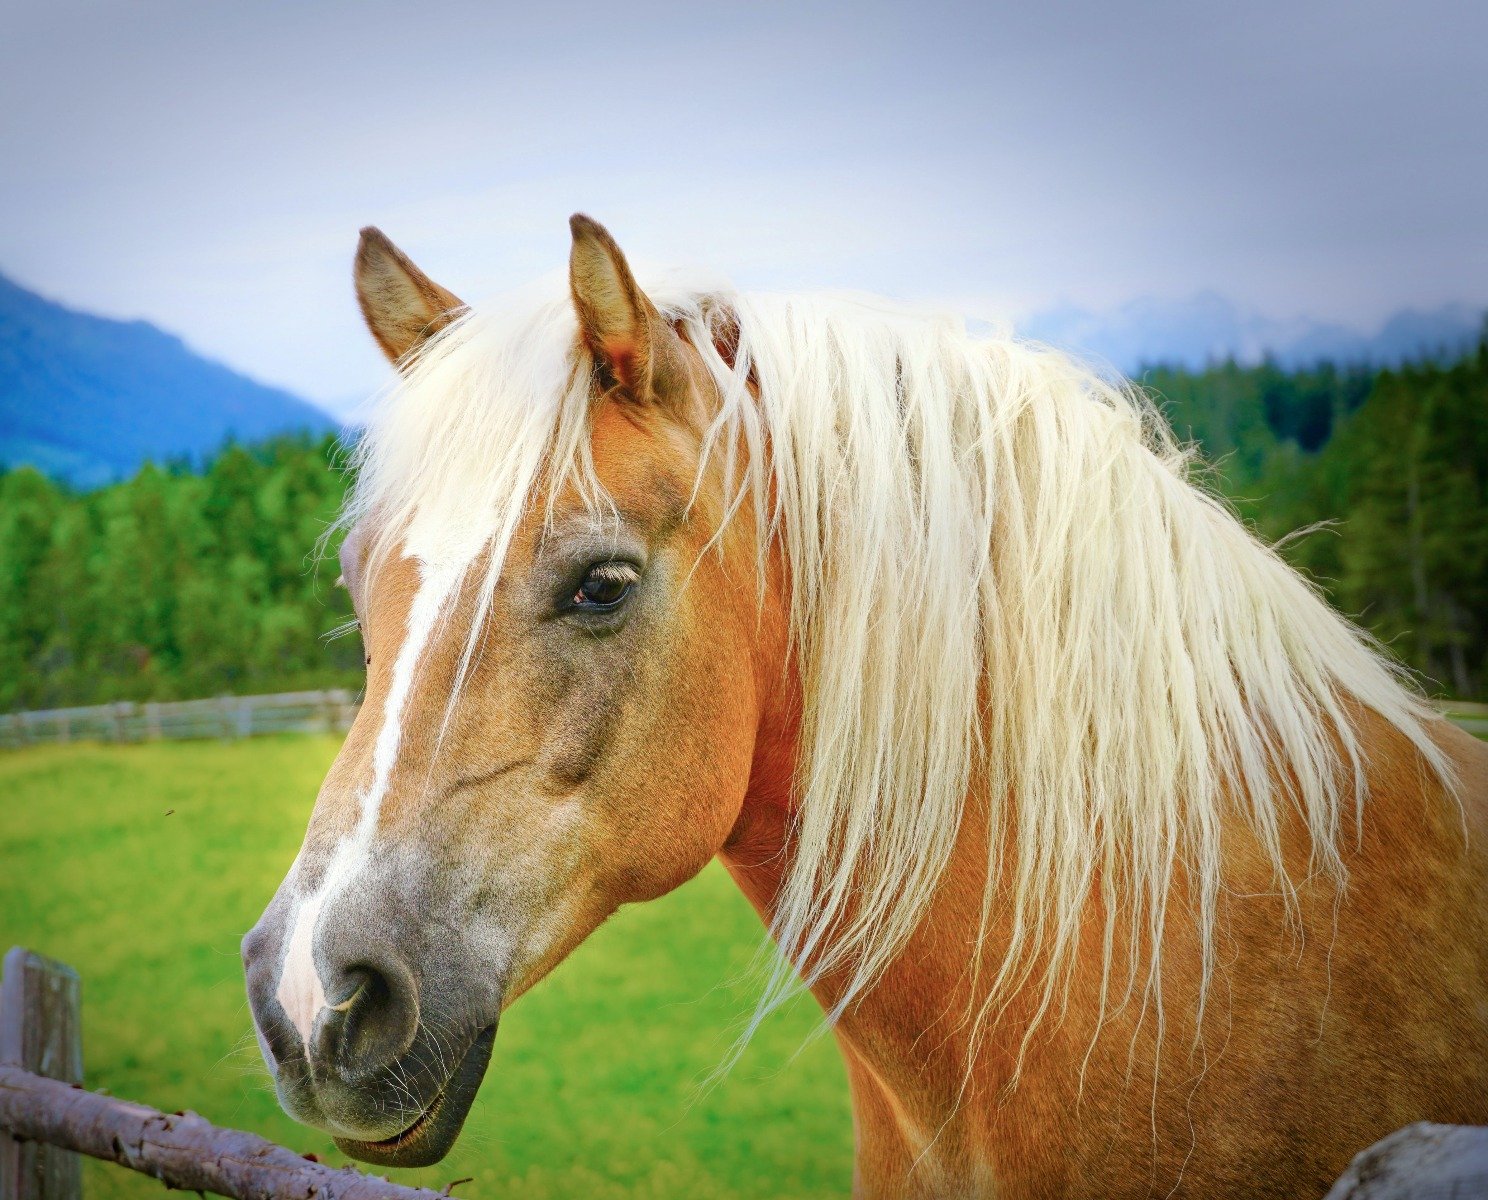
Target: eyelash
x: 613, y: 573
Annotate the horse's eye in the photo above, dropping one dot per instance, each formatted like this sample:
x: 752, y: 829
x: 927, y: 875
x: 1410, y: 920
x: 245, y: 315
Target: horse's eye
x: 605, y: 586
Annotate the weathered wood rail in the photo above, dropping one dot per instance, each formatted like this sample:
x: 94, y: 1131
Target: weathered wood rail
x: 1420, y: 1162
x: 180, y: 1149
x: 328, y: 711
x: 47, y: 1119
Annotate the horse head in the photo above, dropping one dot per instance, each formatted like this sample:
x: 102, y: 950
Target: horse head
x: 565, y: 681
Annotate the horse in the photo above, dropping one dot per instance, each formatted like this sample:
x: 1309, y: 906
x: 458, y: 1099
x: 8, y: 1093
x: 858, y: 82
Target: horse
x: 1119, y: 863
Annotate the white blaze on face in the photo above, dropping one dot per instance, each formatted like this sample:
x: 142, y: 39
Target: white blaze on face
x: 301, y: 991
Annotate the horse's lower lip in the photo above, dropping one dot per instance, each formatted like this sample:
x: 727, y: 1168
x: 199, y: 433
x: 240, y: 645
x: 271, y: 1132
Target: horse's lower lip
x: 433, y: 1132
x: 412, y: 1132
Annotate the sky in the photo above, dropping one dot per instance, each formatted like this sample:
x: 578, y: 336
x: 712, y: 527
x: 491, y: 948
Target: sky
x: 207, y: 166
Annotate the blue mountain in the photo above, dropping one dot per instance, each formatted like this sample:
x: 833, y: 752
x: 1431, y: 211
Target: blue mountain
x: 87, y: 399
x: 1209, y: 327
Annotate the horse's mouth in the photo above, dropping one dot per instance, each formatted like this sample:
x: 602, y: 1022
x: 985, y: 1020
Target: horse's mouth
x: 434, y: 1131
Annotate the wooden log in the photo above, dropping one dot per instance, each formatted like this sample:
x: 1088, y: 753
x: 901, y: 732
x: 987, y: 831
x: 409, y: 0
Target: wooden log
x: 40, y: 1031
x: 1420, y: 1162
x: 182, y: 1150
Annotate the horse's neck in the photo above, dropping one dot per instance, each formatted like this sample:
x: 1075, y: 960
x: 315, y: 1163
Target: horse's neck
x: 946, y: 1090
x: 905, y: 1040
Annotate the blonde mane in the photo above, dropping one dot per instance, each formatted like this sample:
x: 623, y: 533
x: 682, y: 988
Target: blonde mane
x: 1005, y: 590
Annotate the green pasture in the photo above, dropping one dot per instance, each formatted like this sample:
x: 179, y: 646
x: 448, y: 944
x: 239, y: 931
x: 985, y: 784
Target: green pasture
x: 143, y: 865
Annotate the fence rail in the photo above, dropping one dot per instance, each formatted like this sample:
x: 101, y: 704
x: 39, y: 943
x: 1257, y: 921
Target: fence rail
x: 329, y: 711
x: 47, y: 1119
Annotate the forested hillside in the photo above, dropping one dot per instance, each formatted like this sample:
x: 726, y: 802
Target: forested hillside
x: 173, y: 584
x: 177, y: 583
x: 1396, y: 461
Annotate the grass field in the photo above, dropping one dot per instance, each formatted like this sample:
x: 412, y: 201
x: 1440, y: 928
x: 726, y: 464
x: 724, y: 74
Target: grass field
x: 143, y: 865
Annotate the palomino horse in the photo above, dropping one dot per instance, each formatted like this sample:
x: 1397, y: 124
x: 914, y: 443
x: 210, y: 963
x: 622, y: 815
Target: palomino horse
x: 1120, y: 865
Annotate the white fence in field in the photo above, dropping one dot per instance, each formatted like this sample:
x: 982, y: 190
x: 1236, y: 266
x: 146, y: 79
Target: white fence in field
x: 221, y: 717
x: 1472, y: 717
x: 234, y: 717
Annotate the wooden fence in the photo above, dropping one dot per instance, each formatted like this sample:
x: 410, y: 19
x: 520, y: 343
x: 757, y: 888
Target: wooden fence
x: 329, y: 711
x: 286, y: 712
x: 47, y: 1119
x: 1472, y: 717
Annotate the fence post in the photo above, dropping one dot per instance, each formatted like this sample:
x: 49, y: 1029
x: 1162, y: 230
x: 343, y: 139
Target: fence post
x: 229, y: 717
x: 152, y: 721
x: 41, y: 1031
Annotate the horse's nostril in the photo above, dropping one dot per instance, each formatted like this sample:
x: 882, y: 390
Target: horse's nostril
x: 356, y: 982
x: 372, y: 1022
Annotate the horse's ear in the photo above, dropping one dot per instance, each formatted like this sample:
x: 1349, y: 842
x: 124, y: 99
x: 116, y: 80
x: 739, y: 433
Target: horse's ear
x: 401, y: 304
x: 617, y: 321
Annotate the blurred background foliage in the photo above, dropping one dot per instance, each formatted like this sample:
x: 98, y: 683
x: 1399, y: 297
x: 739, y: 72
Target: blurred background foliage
x: 179, y: 583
